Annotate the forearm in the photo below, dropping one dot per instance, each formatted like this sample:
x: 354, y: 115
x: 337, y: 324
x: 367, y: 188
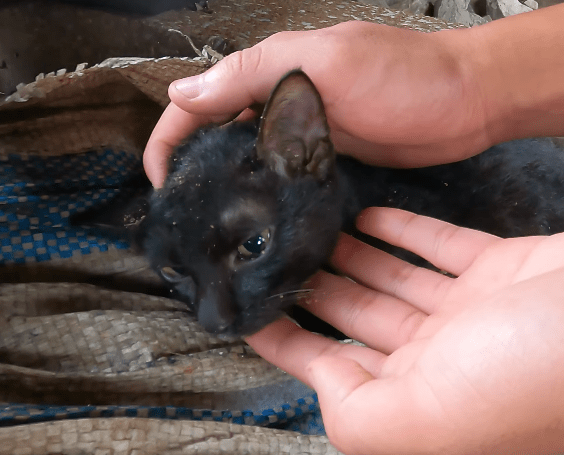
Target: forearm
x: 517, y: 66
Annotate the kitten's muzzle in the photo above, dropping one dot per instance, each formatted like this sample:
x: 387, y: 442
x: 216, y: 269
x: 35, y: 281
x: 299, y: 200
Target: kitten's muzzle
x: 215, y: 309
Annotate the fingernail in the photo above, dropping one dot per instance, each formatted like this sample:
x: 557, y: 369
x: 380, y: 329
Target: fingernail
x: 190, y: 87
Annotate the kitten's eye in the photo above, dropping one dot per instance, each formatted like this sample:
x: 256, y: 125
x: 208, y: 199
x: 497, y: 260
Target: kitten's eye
x: 254, y: 247
x: 172, y: 274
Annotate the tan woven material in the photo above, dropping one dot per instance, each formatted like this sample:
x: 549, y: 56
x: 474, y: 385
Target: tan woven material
x: 121, y: 334
x: 96, y: 107
x: 155, y: 437
x: 116, y: 103
x: 81, y: 330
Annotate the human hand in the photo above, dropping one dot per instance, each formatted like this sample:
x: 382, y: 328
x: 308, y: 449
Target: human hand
x: 473, y: 364
x: 392, y: 96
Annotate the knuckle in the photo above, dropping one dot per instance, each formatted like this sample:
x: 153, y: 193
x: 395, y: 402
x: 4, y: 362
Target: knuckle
x: 410, y: 325
x: 402, y: 275
x: 354, y: 313
x: 245, y: 61
x: 443, y: 238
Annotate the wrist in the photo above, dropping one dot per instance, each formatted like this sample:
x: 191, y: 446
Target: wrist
x: 515, y: 69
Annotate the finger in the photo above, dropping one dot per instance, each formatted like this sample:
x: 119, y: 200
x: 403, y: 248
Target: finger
x: 378, y: 320
x: 292, y: 348
x: 248, y: 76
x: 361, y: 412
x: 334, y: 379
x: 445, y: 245
x: 221, y: 90
x: 172, y: 128
x: 420, y: 287
x: 239, y: 80
x: 344, y: 377
x: 246, y: 115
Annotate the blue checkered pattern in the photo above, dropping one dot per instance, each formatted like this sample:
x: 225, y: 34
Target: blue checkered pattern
x: 302, y: 416
x: 37, y: 195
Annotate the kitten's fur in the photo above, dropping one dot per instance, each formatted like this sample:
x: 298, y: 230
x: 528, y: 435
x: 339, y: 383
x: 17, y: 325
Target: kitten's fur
x: 243, y: 221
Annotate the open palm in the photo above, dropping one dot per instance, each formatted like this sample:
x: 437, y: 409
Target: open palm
x: 452, y: 365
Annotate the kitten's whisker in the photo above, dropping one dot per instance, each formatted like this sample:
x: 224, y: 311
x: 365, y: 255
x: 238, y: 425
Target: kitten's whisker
x: 282, y: 295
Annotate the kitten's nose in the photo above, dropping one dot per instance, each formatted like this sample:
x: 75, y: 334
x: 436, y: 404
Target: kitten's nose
x: 215, y: 309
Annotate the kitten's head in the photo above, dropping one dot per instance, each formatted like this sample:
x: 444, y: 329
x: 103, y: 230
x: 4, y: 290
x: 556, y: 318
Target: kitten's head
x: 247, y: 215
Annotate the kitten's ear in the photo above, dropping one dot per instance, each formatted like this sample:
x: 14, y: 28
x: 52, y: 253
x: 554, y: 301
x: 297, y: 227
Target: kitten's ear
x: 121, y: 218
x: 293, y: 134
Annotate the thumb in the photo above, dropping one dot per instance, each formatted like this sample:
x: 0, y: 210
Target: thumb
x: 362, y: 413
x: 225, y: 89
x: 335, y: 379
x: 220, y: 91
x: 238, y: 81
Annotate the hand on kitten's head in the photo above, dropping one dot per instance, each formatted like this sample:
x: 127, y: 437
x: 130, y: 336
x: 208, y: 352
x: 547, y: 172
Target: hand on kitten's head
x: 374, y: 116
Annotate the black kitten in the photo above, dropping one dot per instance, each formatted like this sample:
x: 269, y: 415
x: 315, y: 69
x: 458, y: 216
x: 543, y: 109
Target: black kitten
x: 247, y: 215
x: 241, y: 222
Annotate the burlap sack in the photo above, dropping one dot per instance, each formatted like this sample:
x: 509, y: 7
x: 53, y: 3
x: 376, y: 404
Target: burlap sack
x: 81, y: 333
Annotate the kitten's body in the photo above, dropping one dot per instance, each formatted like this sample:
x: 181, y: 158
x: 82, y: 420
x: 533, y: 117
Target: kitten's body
x: 247, y: 215
x: 512, y: 189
